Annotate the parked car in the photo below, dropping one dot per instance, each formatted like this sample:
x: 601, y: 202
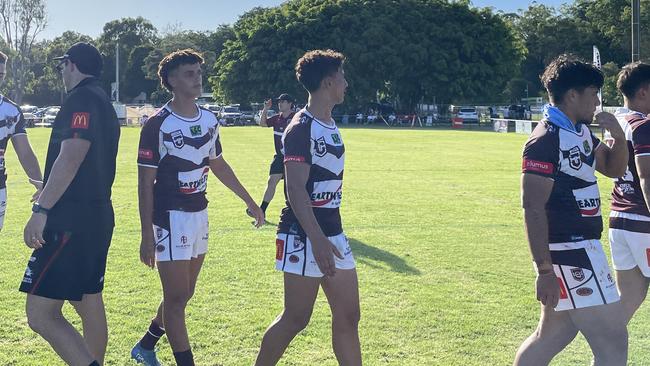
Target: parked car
x: 229, y: 115
x: 48, y: 116
x: 269, y: 113
x: 247, y: 118
x: 468, y: 114
x: 30, y: 119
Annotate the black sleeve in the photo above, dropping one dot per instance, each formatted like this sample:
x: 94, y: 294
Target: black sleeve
x: 80, y: 118
x: 19, y: 129
x: 297, y: 143
x: 149, y: 147
x: 541, y: 153
x: 641, y: 138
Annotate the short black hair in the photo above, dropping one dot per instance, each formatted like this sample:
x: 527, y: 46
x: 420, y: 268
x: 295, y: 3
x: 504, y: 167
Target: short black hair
x: 567, y: 72
x: 173, y: 61
x: 314, y: 66
x: 633, y: 77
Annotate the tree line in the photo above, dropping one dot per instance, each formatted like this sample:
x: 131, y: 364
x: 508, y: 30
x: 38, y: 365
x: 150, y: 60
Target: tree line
x: 399, y: 52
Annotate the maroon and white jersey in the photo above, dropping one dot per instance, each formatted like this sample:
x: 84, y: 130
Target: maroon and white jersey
x: 12, y: 123
x: 181, y: 150
x: 279, y: 124
x: 627, y: 197
x: 567, y: 157
x: 308, y: 140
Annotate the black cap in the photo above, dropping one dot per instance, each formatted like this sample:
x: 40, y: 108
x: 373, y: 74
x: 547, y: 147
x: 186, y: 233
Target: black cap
x: 86, y: 57
x: 286, y: 97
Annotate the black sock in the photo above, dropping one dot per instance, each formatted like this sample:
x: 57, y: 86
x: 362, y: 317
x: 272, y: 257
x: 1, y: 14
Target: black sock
x: 264, y: 205
x: 152, y: 336
x: 184, y: 358
x: 94, y: 363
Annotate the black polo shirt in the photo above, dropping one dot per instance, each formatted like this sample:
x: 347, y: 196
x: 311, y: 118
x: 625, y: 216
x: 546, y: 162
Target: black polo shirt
x: 86, y: 113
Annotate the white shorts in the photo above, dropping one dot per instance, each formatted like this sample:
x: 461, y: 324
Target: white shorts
x: 583, y: 273
x: 630, y: 248
x: 180, y: 235
x: 294, y: 254
x: 3, y: 206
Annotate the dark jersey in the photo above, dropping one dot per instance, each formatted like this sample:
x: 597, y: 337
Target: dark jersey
x: 627, y: 195
x: 318, y: 144
x: 87, y: 114
x: 278, y: 123
x: 12, y: 123
x: 573, y: 209
x: 180, y: 149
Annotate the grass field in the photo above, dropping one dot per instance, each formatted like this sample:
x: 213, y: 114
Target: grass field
x: 435, y: 225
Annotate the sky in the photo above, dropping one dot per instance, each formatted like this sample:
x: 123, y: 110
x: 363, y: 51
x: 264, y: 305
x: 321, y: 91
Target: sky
x: 89, y: 16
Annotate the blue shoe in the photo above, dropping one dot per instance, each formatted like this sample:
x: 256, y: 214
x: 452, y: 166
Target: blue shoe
x: 144, y: 356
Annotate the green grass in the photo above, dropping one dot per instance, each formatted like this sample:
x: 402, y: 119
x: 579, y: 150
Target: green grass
x: 445, y: 273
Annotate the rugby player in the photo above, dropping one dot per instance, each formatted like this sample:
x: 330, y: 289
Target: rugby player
x: 72, y: 223
x: 12, y: 127
x: 179, y: 146
x: 279, y: 122
x: 311, y: 247
x: 629, y: 220
x: 562, y: 216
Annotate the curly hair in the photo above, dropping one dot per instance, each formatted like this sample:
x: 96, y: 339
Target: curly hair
x: 316, y: 65
x: 173, y: 61
x: 567, y: 72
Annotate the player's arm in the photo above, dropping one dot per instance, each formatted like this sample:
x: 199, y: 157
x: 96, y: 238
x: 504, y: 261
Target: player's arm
x: 612, y: 160
x: 641, y: 147
x: 267, y: 105
x: 297, y: 174
x: 643, y: 168
x: 222, y: 170
x: 146, y: 179
x: 28, y: 160
x: 535, y: 192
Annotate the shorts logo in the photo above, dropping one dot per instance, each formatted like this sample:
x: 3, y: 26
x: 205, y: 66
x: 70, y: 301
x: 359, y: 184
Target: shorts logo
x: 609, y: 276
x: 578, y: 274
x: 279, y: 249
x: 575, y: 162
x: 336, y: 138
x: 294, y: 258
x: 80, y: 120
x: 195, y: 130
x: 321, y: 147
x: 297, y: 243
x: 160, y: 248
x: 177, y: 139
x: 184, y: 239
x: 584, y: 291
x: 585, y: 144
x: 159, y: 233
x: 27, y: 278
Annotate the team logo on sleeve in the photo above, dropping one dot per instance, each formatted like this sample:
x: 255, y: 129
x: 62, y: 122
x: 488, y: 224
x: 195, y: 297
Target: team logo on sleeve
x: 177, y: 139
x: 336, y: 138
x: 321, y: 147
x: 80, y: 120
x: 585, y: 144
x: 575, y: 161
x: 11, y: 121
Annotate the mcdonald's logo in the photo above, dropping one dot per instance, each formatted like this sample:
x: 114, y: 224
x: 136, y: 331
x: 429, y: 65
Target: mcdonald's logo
x: 80, y: 120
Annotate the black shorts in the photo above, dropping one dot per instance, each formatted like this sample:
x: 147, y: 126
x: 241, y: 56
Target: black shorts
x: 277, y: 165
x: 69, y: 265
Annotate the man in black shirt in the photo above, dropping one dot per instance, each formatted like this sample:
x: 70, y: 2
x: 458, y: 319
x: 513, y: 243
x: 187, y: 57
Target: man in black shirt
x: 72, y: 222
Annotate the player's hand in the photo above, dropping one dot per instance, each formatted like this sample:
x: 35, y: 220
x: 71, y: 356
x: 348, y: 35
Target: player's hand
x: 268, y: 104
x: 610, y: 123
x: 33, y: 233
x: 324, y: 252
x: 39, y: 188
x: 256, y: 213
x: 147, y: 250
x: 548, y: 288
